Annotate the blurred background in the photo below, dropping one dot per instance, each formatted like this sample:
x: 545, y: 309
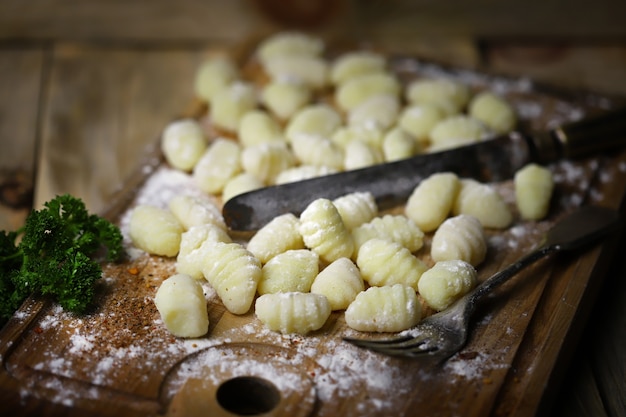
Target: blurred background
x: 86, y: 86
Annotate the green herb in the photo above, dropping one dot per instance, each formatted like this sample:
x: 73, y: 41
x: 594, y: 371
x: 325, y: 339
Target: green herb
x: 56, y: 256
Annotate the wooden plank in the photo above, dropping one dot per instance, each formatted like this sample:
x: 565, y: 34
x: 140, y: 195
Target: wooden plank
x: 21, y: 74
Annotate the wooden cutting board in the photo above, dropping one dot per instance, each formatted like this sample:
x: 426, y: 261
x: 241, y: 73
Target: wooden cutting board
x: 120, y: 360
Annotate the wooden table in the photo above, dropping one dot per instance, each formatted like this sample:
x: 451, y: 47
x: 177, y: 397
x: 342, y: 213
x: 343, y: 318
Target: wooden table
x: 112, y: 94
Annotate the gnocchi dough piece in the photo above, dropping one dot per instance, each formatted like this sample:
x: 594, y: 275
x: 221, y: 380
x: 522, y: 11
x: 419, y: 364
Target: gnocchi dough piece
x: 230, y: 103
x: 290, y: 271
x: 356, y: 208
x: 284, y: 98
x: 220, y: 163
x: 240, y: 184
x: 340, y: 282
x: 457, y: 131
x: 449, y: 95
x: 378, y: 111
x: 279, y: 235
x: 420, y: 119
x: 304, y: 172
x: 195, y: 210
x: 359, y: 154
x: 183, y: 143
x: 494, y: 111
x: 214, y: 74
x: 432, y: 200
x: 289, y: 43
x: 292, y: 312
x: 234, y: 273
x: 359, y: 89
x: 317, y: 150
x: 385, y: 262
x: 267, y: 160
x: 384, y: 309
x: 182, y: 306
x: 459, y: 237
x: 155, y: 230
x: 256, y: 127
x: 311, y: 71
x: 483, y: 202
x: 193, y: 246
x: 324, y: 232
x: 446, y: 282
x: 397, y: 228
x: 313, y: 120
x: 353, y: 64
x: 398, y: 144
x: 533, y: 191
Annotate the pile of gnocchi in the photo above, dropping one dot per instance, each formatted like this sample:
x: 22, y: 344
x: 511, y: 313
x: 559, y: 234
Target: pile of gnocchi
x: 307, y: 116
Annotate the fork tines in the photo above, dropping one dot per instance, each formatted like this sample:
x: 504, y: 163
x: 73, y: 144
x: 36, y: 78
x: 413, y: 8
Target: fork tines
x: 400, y: 346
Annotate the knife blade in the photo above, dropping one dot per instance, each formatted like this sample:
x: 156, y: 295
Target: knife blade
x: 392, y: 183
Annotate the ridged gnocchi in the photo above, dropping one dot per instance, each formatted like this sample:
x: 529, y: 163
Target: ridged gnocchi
x: 356, y: 208
x: 196, y: 210
x: 230, y: 103
x: 533, y: 191
x: 397, y: 228
x: 459, y: 237
x: 340, y: 282
x: 324, y: 232
x: 281, y: 234
x: 193, y: 246
x: 446, y: 282
x: 483, y: 202
x: 385, y: 262
x: 234, y: 273
x: 182, y: 306
x: 431, y: 202
x: 493, y: 111
x: 183, y: 143
x: 293, y: 312
x: 220, y: 163
x: 384, y: 309
x: 155, y: 230
x: 290, y: 271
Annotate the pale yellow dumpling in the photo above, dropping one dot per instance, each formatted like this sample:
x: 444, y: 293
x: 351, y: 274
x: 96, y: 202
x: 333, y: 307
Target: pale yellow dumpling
x: 284, y: 98
x: 182, y: 306
x: 446, y: 282
x: 155, y: 230
x: 290, y: 271
x: 484, y: 203
x: 220, y: 163
x: 494, y: 111
x: 357, y: 90
x: 214, y: 74
x: 340, y: 282
x: 354, y: 64
x: 460, y: 237
x: 533, y: 191
x: 183, y: 144
x: 281, y: 234
x: 230, y: 103
x: 432, y: 200
x: 293, y: 312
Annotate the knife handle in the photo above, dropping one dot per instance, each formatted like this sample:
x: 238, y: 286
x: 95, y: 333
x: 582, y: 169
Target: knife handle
x: 591, y: 135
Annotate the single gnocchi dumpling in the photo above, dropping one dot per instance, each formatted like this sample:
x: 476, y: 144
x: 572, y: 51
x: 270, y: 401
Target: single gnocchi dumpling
x: 356, y: 208
x: 183, y: 144
x: 384, y: 309
x: 290, y: 271
x: 397, y: 228
x: 312, y: 71
x: 220, y: 163
x: 420, y: 119
x: 239, y: 184
x: 449, y: 95
x: 533, y: 191
x: 214, y: 74
x: 267, y: 160
x: 193, y: 246
x: 292, y: 312
x: 483, y: 202
x: 196, y: 210
x: 494, y: 111
x: 284, y: 98
x: 324, y: 232
x: 256, y: 127
x: 281, y: 234
x: 155, y: 230
x: 457, y: 131
x: 446, y: 282
x: 289, y: 43
x: 359, y: 154
x: 304, y: 172
x: 182, y: 306
x: 371, y: 135
x: 460, y: 237
x: 230, y: 103
x: 378, y: 111
x: 385, y: 262
x: 234, y: 273
x: 359, y: 89
x: 340, y: 282
x: 353, y: 64
x: 398, y: 144
x: 317, y: 150
x: 432, y: 200
x: 314, y: 120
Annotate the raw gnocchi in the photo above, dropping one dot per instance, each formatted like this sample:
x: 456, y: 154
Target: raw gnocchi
x: 354, y: 64
x: 356, y: 208
x: 182, y: 306
x: 304, y: 172
x: 256, y: 127
x: 378, y: 111
x: 284, y: 98
x: 420, y: 119
x: 484, y: 203
x: 449, y: 95
x: 289, y: 43
x: 214, y: 74
x: 290, y: 271
x: 220, y: 163
x: 239, y: 184
x: 317, y: 150
x: 384, y: 309
x: 155, y: 230
x: 279, y: 235
x: 267, y: 160
x: 397, y: 228
x: 446, y: 282
x: 533, y: 191
x: 457, y: 131
x: 293, y: 312
x: 493, y: 111
x: 398, y: 144
x: 230, y: 103
x: 357, y: 90
x: 311, y: 71
x: 340, y: 282
x: 459, y: 237
x: 385, y: 262
x: 431, y: 202
x: 193, y: 246
x: 183, y: 143
x: 196, y: 210
x: 315, y: 120
x: 359, y: 154
x: 234, y: 273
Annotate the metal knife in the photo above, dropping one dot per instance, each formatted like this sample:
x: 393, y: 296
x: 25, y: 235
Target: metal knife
x: 391, y: 183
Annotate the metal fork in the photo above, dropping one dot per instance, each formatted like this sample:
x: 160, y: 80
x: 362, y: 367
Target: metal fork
x: 443, y: 334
